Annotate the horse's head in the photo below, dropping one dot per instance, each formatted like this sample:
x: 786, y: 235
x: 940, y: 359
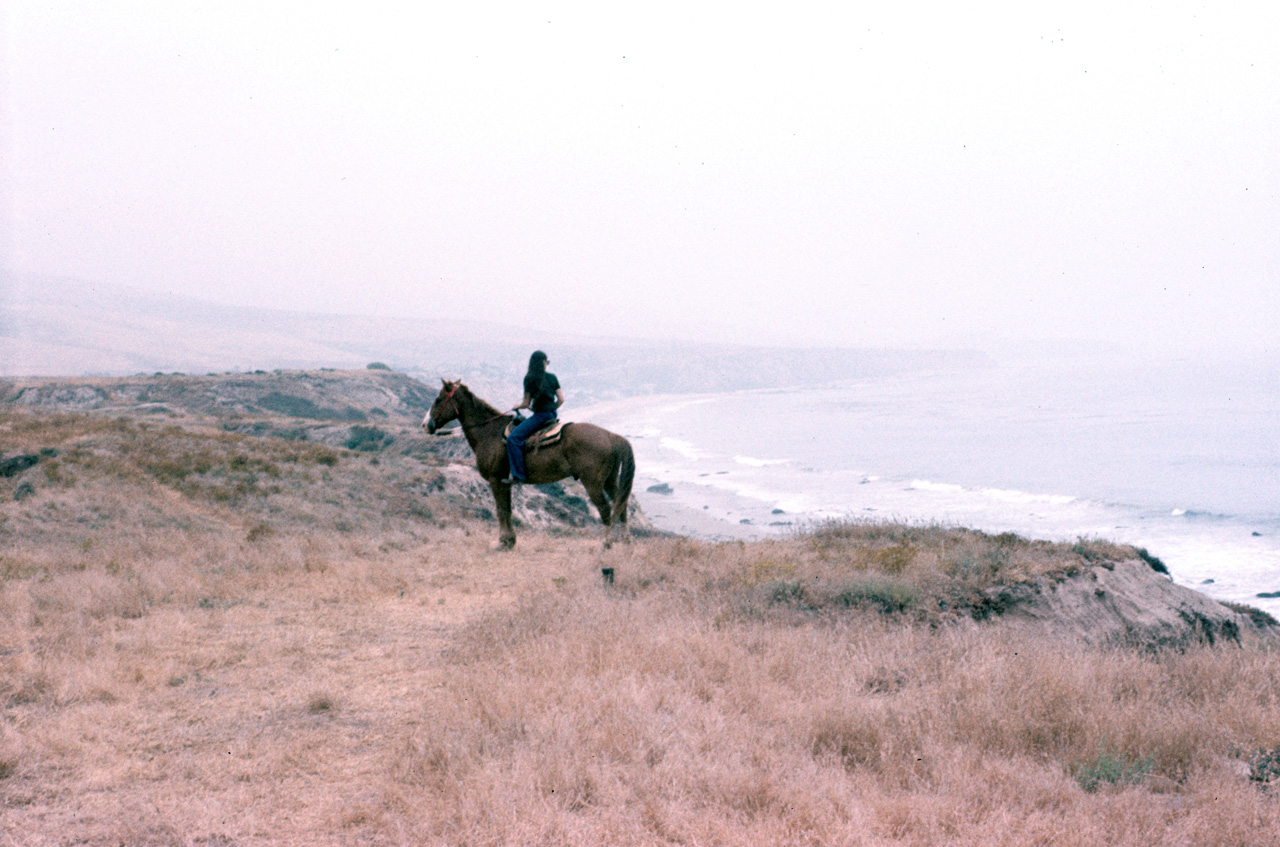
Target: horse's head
x: 444, y: 409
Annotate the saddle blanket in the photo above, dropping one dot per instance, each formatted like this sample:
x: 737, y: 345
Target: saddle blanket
x: 544, y: 437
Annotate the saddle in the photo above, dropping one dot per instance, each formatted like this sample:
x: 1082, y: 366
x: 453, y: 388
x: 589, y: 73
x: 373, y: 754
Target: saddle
x: 544, y: 437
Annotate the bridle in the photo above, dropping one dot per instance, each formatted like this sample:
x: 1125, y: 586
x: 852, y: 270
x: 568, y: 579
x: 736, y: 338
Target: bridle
x: 457, y: 410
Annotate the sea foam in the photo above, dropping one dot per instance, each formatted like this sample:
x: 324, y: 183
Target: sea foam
x: 939, y: 487
x: 752, y: 462
x: 684, y: 448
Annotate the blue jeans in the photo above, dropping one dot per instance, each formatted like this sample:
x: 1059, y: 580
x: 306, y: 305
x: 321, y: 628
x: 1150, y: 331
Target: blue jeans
x: 515, y: 441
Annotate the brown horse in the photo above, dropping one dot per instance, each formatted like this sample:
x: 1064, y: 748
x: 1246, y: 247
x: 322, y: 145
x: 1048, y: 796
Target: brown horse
x: 601, y: 460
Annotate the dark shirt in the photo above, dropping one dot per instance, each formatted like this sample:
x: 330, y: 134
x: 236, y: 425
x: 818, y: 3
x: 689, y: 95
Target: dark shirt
x: 542, y: 391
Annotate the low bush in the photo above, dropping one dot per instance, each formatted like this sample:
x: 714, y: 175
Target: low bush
x: 367, y: 439
x: 1108, y: 767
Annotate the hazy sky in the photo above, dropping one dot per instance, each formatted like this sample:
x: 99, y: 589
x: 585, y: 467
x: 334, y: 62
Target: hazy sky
x: 842, y: 174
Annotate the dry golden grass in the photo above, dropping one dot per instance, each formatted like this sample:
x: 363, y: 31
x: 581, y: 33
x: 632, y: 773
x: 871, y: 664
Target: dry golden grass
x: 172, y: 674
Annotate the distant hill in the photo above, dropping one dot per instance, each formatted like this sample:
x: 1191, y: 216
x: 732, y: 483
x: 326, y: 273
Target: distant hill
x: 60, y: 327
x: 55, y: 327
x: 324, y: 395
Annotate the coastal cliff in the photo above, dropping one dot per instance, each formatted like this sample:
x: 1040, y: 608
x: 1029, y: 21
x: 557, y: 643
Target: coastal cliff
x: 260, y: 609
x: 233, y: 439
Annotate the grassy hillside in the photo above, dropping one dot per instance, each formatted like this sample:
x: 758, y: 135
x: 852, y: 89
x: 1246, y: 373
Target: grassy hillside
x: 294, y: 452
x: 222, y: 631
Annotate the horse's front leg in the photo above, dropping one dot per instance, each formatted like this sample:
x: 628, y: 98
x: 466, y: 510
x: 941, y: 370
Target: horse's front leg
x: 502, y: 499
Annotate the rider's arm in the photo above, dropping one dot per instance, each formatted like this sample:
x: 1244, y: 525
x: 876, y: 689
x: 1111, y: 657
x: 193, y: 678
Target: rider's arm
x: 559, y: 398
x: 524, y: 404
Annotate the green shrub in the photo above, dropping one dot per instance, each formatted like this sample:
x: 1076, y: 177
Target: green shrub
x: 1264, y: 766
x: 1260, y: 618
x: 1082, y: 549
x: 367, y: 438
x: 300, y: 407
x: 976, y: 565
x: 1156, y: 565
x: 260, y: 530
x: 1108, y: 767
x: 885, y: 595
x: 895, y: 559
x: 785, y: 591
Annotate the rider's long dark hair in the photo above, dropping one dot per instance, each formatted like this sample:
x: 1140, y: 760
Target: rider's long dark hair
x: 537, y: 363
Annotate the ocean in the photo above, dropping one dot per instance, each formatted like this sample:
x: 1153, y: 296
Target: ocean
x: 1179, y: 457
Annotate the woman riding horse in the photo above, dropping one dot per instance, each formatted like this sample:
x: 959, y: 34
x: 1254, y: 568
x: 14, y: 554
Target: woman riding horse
x: 542, y: 396
x: 601, y: 460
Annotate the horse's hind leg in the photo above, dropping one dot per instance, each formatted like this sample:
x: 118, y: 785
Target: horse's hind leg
x: 604, y: 507
x: 617, y: 486
x: 624, y: 528
x: 617, y: 521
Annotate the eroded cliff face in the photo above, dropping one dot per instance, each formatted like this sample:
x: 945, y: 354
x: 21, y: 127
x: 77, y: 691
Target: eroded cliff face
x: 1123, y: 603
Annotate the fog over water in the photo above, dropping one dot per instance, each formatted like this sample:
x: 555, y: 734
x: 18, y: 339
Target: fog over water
x: 874, y: 174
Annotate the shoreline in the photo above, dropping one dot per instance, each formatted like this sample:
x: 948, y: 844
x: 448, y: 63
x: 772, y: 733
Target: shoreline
x: 707, y: 513
x: 670, y: 513
x: 718, y: 494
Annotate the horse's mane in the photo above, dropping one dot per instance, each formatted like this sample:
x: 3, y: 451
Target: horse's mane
x: 483, y: 405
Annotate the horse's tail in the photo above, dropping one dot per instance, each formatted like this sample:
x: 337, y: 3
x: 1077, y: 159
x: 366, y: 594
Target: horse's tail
x: 624, y: 473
